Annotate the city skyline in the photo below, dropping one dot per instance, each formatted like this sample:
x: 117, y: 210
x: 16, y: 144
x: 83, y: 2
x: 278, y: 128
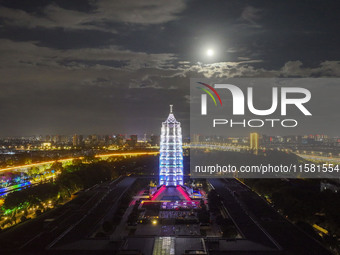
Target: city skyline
x: 141, y: 137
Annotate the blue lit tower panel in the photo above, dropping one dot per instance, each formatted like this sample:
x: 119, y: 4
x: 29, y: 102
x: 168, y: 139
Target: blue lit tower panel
x: 171, y: 152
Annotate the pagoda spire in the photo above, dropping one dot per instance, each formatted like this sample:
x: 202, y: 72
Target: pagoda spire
x: 171, y: 152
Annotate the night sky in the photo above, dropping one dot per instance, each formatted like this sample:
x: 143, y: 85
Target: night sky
x: 110, y: 67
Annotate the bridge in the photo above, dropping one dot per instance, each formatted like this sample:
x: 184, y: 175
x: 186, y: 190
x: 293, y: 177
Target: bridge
x: 314, y: 155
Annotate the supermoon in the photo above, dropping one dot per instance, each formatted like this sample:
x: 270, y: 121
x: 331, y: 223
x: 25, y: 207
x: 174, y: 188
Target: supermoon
x: 210, y: 52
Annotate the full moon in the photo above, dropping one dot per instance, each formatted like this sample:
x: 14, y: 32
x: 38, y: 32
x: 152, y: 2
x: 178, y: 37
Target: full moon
x: 210, y: 52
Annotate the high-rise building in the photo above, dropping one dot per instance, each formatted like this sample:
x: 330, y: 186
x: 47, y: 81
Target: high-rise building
x: 154, y: 140
x: 171, y: 152
x: 133, y: 140
x: 80, y: 139
x: 75, y: 140
x: 195, y: 138
x: 48, y: 138
x: 120, y: 139
x: 57, y: 139
x: 254, y: 141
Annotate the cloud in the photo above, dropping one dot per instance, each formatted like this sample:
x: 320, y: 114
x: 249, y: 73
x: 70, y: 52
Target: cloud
x: 144, y: 82
x: 101, y: 17
x: 29, y: 54
x: 141, y: 12
x: 27, y: 66
x: 53, y: 17
x: 246, y: 68
x: 251, y: 15
x: 45, y: 90
x: 220, y: 69
x: 325, y: 69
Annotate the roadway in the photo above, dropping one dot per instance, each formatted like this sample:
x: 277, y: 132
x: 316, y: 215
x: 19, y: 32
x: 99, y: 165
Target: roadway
x: 245, y: 223
x: 50, y: 162
x: 259, y: 222
x: 94, y: 214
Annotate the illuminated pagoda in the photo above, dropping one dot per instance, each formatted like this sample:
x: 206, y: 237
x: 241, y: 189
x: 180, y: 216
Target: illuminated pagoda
x: 171, y: 152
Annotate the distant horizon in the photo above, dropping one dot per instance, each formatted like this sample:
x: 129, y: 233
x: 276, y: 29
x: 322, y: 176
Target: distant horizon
x: 151, y: 134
